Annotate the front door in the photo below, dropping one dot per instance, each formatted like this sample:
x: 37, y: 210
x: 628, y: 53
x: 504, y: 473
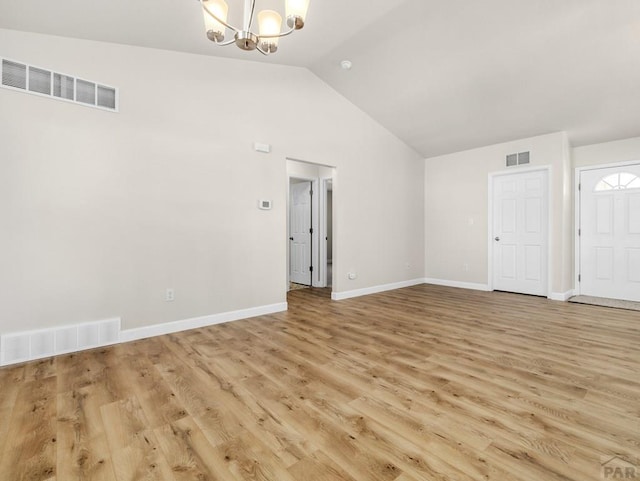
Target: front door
x: 610, y: 232
x: 519, y: 237
x: 300, y: 233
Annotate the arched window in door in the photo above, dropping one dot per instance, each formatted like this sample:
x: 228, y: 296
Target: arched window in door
x: 619, y: 181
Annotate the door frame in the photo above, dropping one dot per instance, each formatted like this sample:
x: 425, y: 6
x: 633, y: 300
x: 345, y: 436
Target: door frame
x: 578, y: 213
x: 314, y: 226
x: 322, y: 231
x: 490, y: 234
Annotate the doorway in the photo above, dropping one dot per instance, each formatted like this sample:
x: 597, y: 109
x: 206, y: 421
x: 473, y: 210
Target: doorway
x: 519, y: 229
x: 311, y: 244
x: 609, y: 232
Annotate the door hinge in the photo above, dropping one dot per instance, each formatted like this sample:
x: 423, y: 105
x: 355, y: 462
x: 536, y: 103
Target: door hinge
x: 310, y: 268
x: 579, y: 232
x: 579, y: 278
x: 311, y: 230
x: 311, y: 192
x: 579, y: 186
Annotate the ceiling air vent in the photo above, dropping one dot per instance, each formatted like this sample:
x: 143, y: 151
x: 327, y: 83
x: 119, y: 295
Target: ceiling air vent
x: 518, y: 159
x: 46, y: 83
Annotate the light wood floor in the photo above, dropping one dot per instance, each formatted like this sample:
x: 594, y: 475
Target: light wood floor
x: 423, y: 383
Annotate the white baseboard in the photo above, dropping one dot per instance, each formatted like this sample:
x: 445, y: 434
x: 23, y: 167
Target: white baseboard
x: 196, y: 322
x: 460, y: 285
x: 562, y: 296
x: 27, y: 346
x: 339, y: 296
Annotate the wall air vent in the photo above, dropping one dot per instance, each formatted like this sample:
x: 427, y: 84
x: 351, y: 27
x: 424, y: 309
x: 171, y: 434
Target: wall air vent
x: 46, y: 83
x: 520, y: 158
x: 14, y: 75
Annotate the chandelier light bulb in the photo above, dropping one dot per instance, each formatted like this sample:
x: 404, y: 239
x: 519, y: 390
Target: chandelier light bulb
x: 297, y: 13
x: 269, y: 23
x: 215, y: 29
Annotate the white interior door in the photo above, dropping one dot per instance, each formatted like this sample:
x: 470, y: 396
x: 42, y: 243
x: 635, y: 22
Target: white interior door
x: 610, y: 232
x: 520, y: 232
x: 300, y: 233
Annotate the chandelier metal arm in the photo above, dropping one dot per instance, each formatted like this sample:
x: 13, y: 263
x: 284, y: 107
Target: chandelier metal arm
x: 230, y: 27
x: 282, y: 34
x: 224, y: 44
x: 253, y: 8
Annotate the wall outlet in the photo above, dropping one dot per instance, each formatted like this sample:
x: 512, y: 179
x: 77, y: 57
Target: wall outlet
x: 352, y: 275
x: 169, y: 295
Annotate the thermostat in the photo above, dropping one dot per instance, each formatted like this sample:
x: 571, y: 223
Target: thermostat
x: 264, y: 204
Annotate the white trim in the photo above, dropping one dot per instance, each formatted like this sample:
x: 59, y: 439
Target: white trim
x: 339, y: 296
x: 576, y: 237
x: 322, y: 231
x: 491, y: 177
x: 460, y: 285
x: 578, y: 213
x: 197, y: 322
x: 562, y: 296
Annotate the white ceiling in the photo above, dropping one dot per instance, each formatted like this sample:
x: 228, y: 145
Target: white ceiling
x: 443, y: 75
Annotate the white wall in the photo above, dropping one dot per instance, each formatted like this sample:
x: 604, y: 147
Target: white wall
x: 103, y: 211
x: 608, y: 152
x: 456, y: 209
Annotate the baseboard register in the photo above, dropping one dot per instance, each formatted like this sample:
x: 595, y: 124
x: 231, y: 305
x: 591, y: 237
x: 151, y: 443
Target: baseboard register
x: 44, y: 82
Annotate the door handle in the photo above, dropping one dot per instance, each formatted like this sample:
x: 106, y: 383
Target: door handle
x: 290, y: 238
x: 497, y: 239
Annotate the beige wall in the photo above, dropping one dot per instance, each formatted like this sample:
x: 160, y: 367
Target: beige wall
x: 102, y: 212
x: 456, y: 209
x: 606, y: 153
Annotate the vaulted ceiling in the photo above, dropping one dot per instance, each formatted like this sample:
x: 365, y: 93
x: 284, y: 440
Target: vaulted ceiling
x: 443, y: 75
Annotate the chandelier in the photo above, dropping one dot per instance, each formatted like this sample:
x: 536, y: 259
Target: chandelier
x: 269, y: 24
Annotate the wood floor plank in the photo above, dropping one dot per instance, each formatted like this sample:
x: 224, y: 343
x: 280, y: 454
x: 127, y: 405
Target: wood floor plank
x: 318, y: 467
x: 423, y: 383
x: 83, y: 451
x: 30, y: 451
x: 189, y: 454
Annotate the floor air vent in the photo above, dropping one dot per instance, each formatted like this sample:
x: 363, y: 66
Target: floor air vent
x: 43, y: 82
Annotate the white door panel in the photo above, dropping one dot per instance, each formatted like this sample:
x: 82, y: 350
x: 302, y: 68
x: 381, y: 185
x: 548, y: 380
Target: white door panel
x: 634, y: 213
x: 300, y: 233
x: 520, y: 220
x: 610, y: 232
